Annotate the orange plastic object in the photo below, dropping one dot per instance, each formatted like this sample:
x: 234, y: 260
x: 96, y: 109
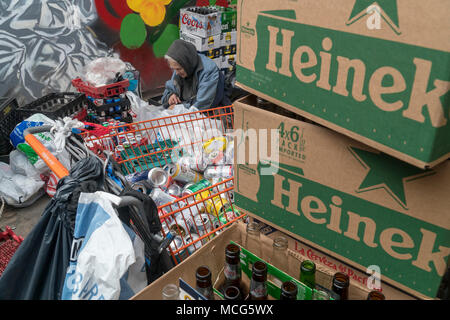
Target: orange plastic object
x: 47, y: 156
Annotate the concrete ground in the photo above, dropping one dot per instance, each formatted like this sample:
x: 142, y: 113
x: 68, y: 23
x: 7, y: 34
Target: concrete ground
x: 23, y: 220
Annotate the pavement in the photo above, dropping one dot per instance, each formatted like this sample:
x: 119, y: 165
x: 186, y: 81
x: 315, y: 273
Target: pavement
x: 23, y: 220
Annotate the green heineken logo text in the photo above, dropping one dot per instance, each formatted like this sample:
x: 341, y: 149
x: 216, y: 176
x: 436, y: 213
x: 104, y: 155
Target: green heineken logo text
x: 304, y: 58
x: 410, y: 251
x: 385, y: 91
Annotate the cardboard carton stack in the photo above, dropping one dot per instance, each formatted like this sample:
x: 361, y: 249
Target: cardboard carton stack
x: 356, y: 128
x: 212, y: 30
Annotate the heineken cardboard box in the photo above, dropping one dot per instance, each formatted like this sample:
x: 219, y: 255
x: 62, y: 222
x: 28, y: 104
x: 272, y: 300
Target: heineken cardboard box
x: 212, y: 255
x: 344, y: 198
x: 377, y: 72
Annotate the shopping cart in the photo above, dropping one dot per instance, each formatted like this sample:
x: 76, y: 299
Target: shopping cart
x: 139, y: 147
x: 114, y: 182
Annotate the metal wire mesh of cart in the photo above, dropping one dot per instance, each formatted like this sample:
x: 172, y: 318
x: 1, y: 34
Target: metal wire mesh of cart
x: 197, y: 218
x: 192, y: 218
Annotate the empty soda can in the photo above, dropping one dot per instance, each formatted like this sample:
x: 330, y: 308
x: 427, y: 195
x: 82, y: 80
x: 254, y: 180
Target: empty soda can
x: 175, y: 190
x: 190, y: 239
x: 157, y: 177
x: 202, y: 224
x: 175, y: 245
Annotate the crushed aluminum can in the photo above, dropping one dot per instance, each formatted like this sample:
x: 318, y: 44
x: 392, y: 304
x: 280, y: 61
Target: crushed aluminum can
x: 161, y: 198
x: 183, y: 224
x: 175, y: 245
x: 196, y: 163
x: 195, y: 187
x: 225, y: 171
x: 175, y: 190
x: 190, y: 239
x: 203, y: 225
x: 217, y: 205
x: 137, y: 176
x: 182, y: 173
x: 157, y: 177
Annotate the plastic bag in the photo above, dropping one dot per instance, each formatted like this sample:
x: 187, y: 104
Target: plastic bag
x: 103, y: 71
x: 18, y: 140
x: 107, y: 258
x: 17, y: 188
x: 20, y: 165
x: 204, y: 127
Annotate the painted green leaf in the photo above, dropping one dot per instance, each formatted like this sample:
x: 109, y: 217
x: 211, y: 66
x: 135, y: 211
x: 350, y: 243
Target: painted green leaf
x: 169, y: 35
x: 133, y: 31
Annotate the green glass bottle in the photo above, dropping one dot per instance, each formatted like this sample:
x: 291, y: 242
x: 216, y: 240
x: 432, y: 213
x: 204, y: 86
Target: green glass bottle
x: 308, y: 273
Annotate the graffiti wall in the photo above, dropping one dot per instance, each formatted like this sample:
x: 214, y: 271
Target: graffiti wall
x: 44, y: 44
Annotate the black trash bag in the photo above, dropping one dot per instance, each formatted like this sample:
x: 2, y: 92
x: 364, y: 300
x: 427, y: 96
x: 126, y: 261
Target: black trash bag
x: 38, y: 268
x: 160, y: 263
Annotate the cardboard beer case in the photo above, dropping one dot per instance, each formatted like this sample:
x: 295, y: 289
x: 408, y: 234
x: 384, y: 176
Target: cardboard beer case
x: 366, y: 278
x: 212, y: 255
x: 202, y: 44
x: 202, y: 25
x: 340, y: 196
x: 376, y: 71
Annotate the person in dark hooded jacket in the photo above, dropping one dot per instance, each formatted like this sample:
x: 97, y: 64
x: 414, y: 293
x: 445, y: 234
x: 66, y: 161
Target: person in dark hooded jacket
x: 196, y: 81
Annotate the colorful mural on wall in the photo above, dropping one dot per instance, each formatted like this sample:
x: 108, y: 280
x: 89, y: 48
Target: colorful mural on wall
x: 44, y: 44
x: 141, y: 31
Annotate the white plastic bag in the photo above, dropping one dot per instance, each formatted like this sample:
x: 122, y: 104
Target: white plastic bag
x: 17, y: 188
x: 20, y: 165
x: 107, y: 258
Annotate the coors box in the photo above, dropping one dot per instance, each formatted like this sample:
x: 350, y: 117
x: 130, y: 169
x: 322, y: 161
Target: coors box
x: 202, y: 22
x: 344, y: 198
x: 377, y: 71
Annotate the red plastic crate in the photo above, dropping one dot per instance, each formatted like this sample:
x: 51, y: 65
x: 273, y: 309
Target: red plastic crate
x: 101, y: 92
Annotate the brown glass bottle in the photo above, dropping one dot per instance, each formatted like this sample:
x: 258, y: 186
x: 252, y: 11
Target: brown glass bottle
x: 232, y: 293
x: 258, y: 284
x: 203, y: 283
x: 340, y: 285
x: 232, y: 268
x: 375, y: 295
x: 288, y: 291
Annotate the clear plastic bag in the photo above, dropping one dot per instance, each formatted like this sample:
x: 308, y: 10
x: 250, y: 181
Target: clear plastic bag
x: 103, y: 71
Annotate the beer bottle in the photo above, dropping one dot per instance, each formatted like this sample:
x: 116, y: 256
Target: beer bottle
x: 232, y: 269
x: 375, y: 295
x: 340, y: 285
x: 232, y: 293
x: 258, y: 285
x: 203, y: 283
x: 289, y: 291
x: 308, y: 273
x: 253, y: 242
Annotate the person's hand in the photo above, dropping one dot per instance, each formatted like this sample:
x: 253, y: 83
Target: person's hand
x: 171, y: 107
x: 173, y: 99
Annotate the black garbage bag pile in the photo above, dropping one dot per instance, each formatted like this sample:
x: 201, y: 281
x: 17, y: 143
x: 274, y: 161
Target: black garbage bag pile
x: 38, y: 268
